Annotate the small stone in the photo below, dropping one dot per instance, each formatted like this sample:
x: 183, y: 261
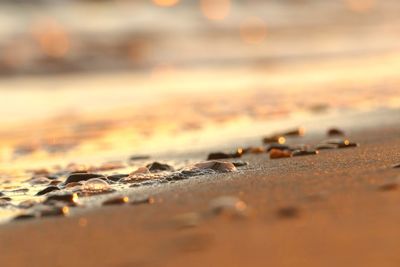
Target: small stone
x: 67, y: 198
x: 116, y: 201
x: 26, y: 216
x: 27, y: 204
x: 95, y: 186
x: 55, y: 182
x: 149, y: 200
x: 396, y: 166
x: 277, y: 146
x: 274, y: 139
x: 288, y: 212
x: 77, y: 177
x: 335, y: 132
x: 140, y: 170
x: 342, y: 143
x: 6, y: 198
x: 389, y: 187
x: 221, y: 155
x: 47, y: 190
x: 157, y: 166
x: 1, y: 194
x: 73, y: 184
x: 277, y: 154
x: 240, y: 163
x: 218, y: 166
x: 54, y: 211
x: 254, y: 150
x: 139, y: 157
x: 228, y: 206
x: 297, y: 153
x: 116, y: 177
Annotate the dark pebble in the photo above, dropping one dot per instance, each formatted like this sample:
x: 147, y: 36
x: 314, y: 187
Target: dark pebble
x: 297, y: 153
x: 396, y: 166
x: 77, y: 177
x: 1, y: 194
x: 116, y: 177
x: 342, y: 143
x: 277, y: 153
x: 25, y: 216
x: 239, y: 163
x: 221, y: 155
x: 288, y: 212
x: 139, y: 157
x: 389, y: 187
x: 47, y: 190
x: 274, y: 139
x: 149, y: 200
x: 277, y: 146
x: 116, y: 201
x: 55, y: 211
x: 66, y: 198
x: 335, y: 132
x: 157, y: 166
x: 6, y: 198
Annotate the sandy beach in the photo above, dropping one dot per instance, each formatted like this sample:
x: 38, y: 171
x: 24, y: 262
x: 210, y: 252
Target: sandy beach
x: 337, y: 208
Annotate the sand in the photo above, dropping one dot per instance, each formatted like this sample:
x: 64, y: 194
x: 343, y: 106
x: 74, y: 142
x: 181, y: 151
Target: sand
x: 343, y: 217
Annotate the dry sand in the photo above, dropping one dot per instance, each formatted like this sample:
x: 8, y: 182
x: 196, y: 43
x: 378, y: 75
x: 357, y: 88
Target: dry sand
x: 343, y: 218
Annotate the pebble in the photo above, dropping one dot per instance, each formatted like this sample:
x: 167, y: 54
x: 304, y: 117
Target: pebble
x: 254, y: 150
x: 70, y: 198
x: 117, y: 177
x: 228, y: 206
x: 342, y: 143
x: 95, y: 186
x: 27, y: 204
x: 6, y: 198
x: 1, y: 194
x: 47, y: 190
x: 139, y: 157
x: 277, y: 154
x: 221, y: 155
x: 335, y: 132
x: 157, y: 166
x: 396, y: 166
x: 288, y: 212
x: 278, y: 146
x: 26, y: 216
x: 240, y: 163
x: 4, y: 202
x: 55, y: 182
x: 274, y: 139
x: 297, y: 153
x: 77, y: 177
x: 116, y: 201
x: 218, y: 166
x: 140, y: 170
x: 54, y: 211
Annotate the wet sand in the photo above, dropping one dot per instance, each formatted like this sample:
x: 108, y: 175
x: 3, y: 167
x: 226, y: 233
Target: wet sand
x: 337, y: 214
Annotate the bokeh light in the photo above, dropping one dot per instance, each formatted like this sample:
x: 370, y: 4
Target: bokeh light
x: 215, y: 9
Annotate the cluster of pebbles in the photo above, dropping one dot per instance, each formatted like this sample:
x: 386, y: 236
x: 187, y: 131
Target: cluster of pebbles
x: 67, y: 188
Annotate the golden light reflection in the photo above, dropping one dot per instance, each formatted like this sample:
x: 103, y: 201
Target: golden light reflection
x: 360, y: 6
x: 215, y: 9
x: 253, y: 30
x: 51, y: 38
x: 166, y: 3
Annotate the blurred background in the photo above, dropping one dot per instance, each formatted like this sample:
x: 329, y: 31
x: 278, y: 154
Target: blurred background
x: 84, y: 78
